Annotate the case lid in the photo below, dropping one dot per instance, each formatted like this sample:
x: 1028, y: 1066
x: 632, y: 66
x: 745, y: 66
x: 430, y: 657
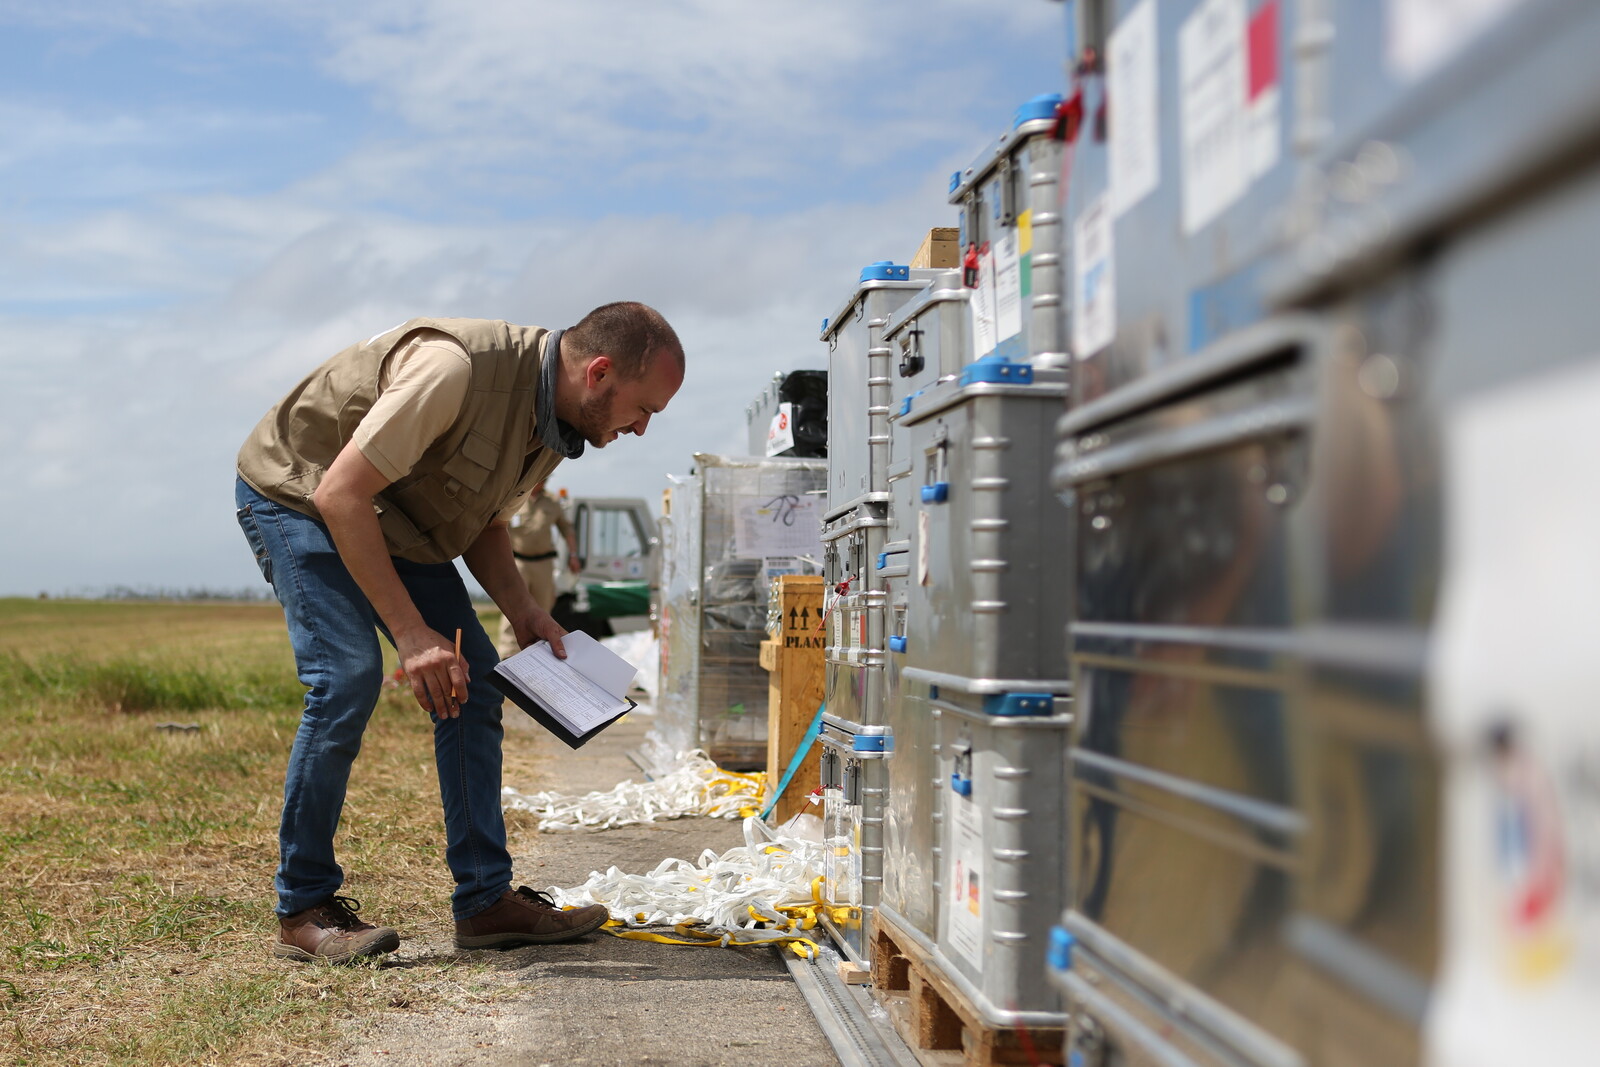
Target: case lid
x: 1034, y: 117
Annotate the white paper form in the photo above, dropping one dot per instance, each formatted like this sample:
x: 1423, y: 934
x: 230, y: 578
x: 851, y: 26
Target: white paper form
x: 788, y: 524
x: 1007, y: 287
x: 1134, y: 147
x: 583, y: 691
x: 1212, y: 85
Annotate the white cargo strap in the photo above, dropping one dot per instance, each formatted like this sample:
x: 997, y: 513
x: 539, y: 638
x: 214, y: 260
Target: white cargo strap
x: 767, y: 891
x: 696, y: 786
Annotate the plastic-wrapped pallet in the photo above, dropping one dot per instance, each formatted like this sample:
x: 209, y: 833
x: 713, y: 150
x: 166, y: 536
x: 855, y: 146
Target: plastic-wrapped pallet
x: 734, y: 523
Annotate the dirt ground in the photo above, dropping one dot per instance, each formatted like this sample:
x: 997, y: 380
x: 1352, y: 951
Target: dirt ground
x: 604, y: 1000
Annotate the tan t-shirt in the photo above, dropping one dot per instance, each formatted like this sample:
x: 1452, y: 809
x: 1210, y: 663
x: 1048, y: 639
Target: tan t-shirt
x: 422, y: 387
x: 534, y: 524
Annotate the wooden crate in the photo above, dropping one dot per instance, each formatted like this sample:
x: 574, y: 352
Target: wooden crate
x: 939, y: 249
x: 795, y: 690
x: 936, y: 1020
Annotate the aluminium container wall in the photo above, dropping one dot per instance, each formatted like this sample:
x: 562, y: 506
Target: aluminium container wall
x: 1457, y: 567
x: 1002, y: 877
x: 1192, y: 528
x: 859, y: 384
x: 1010, y: 200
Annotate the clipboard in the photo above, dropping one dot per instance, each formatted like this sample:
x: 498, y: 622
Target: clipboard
x: 589, y: 686
x: 541, y: 715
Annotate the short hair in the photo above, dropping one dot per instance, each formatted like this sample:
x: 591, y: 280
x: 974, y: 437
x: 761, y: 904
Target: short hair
x: 632, y: 334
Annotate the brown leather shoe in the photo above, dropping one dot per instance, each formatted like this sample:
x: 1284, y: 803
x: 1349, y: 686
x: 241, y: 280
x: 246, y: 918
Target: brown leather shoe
x: 330, y: 931
x: 527, y: 917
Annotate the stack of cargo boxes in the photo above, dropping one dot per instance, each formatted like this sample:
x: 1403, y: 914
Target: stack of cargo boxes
x: 987, y: 587
x: 948, y: 694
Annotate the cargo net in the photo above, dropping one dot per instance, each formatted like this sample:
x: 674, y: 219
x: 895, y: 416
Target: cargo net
x: 694, y: 786
x: 767, y: 891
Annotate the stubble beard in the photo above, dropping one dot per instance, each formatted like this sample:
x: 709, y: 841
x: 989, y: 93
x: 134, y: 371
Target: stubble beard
x: 593, y: 415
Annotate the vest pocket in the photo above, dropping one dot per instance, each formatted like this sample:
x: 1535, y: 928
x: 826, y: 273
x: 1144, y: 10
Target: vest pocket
x: 476, y: 460
x: 398, y: 529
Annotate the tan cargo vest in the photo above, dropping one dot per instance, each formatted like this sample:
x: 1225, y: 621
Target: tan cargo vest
x: 488, y: 457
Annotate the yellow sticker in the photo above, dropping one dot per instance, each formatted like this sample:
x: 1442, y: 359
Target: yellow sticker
x: 1025, y: 233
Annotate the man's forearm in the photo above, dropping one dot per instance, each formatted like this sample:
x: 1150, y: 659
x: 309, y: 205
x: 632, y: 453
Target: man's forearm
x: 365, y: 553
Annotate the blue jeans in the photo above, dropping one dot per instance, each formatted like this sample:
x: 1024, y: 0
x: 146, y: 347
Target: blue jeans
x: 334, y: 633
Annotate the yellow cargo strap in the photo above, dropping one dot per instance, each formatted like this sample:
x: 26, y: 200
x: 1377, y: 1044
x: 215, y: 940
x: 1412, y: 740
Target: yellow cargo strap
x: 703, y: 937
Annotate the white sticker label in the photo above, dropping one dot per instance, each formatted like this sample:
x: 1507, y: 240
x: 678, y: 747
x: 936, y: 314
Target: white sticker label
x: 1211, y: 91
x: 788, y: 524
x: 1094, y: 319
x: 964, y: 900
x: 1132, y: 86
x: 780, y: 434
x: 924, y: 569
x: 1007, y: 286
x: 981, y: 304
x: 1421, y: 34
x: 1514, y: 676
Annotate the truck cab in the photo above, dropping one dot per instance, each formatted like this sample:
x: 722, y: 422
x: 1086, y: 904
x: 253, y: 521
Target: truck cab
x: 619, y: 553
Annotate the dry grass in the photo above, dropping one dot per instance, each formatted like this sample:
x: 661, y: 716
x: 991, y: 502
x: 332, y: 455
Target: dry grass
x: 136, y: 863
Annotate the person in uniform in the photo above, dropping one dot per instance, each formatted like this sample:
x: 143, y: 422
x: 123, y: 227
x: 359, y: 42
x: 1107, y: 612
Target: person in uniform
x: 534, y: 546
x: 356, y: 492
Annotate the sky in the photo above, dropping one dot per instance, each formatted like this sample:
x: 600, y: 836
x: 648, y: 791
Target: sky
x: 201, y: 200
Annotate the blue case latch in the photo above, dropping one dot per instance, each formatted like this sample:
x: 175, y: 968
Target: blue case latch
x: 897, y: 643
x: 1061, y: 945
x: 961, y: 769
x: 937, y: 493
x: 1018, y: 704
x: 884, y: 271
x: 870, y: 743
x: 994, y: 370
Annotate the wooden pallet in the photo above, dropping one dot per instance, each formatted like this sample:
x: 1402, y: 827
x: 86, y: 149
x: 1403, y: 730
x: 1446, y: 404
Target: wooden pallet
x: 936, y: 1020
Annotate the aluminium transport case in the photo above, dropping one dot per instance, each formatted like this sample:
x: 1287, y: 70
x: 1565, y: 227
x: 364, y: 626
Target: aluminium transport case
x: 853, y: 795
x: 928, y: 339
x: 859, y: 384
x: 910, y: 893
x: 990, y: 574
x: 1002, y: 871
x: 1010, y: 200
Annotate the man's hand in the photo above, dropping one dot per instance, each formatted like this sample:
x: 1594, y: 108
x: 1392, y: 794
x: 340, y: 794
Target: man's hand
x: 574, y: 564
x: 536, y: 624
x: 433, y: 670
x: 490, y: 561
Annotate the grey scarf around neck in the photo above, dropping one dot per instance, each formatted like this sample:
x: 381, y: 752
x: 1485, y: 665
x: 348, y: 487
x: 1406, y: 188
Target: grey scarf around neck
x: 555, y: 434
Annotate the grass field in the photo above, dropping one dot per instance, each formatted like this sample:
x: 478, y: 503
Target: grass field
x: 136, y: 861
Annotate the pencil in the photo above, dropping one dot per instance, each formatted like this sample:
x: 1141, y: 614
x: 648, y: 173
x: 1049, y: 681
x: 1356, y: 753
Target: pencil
x: 458, y: 660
